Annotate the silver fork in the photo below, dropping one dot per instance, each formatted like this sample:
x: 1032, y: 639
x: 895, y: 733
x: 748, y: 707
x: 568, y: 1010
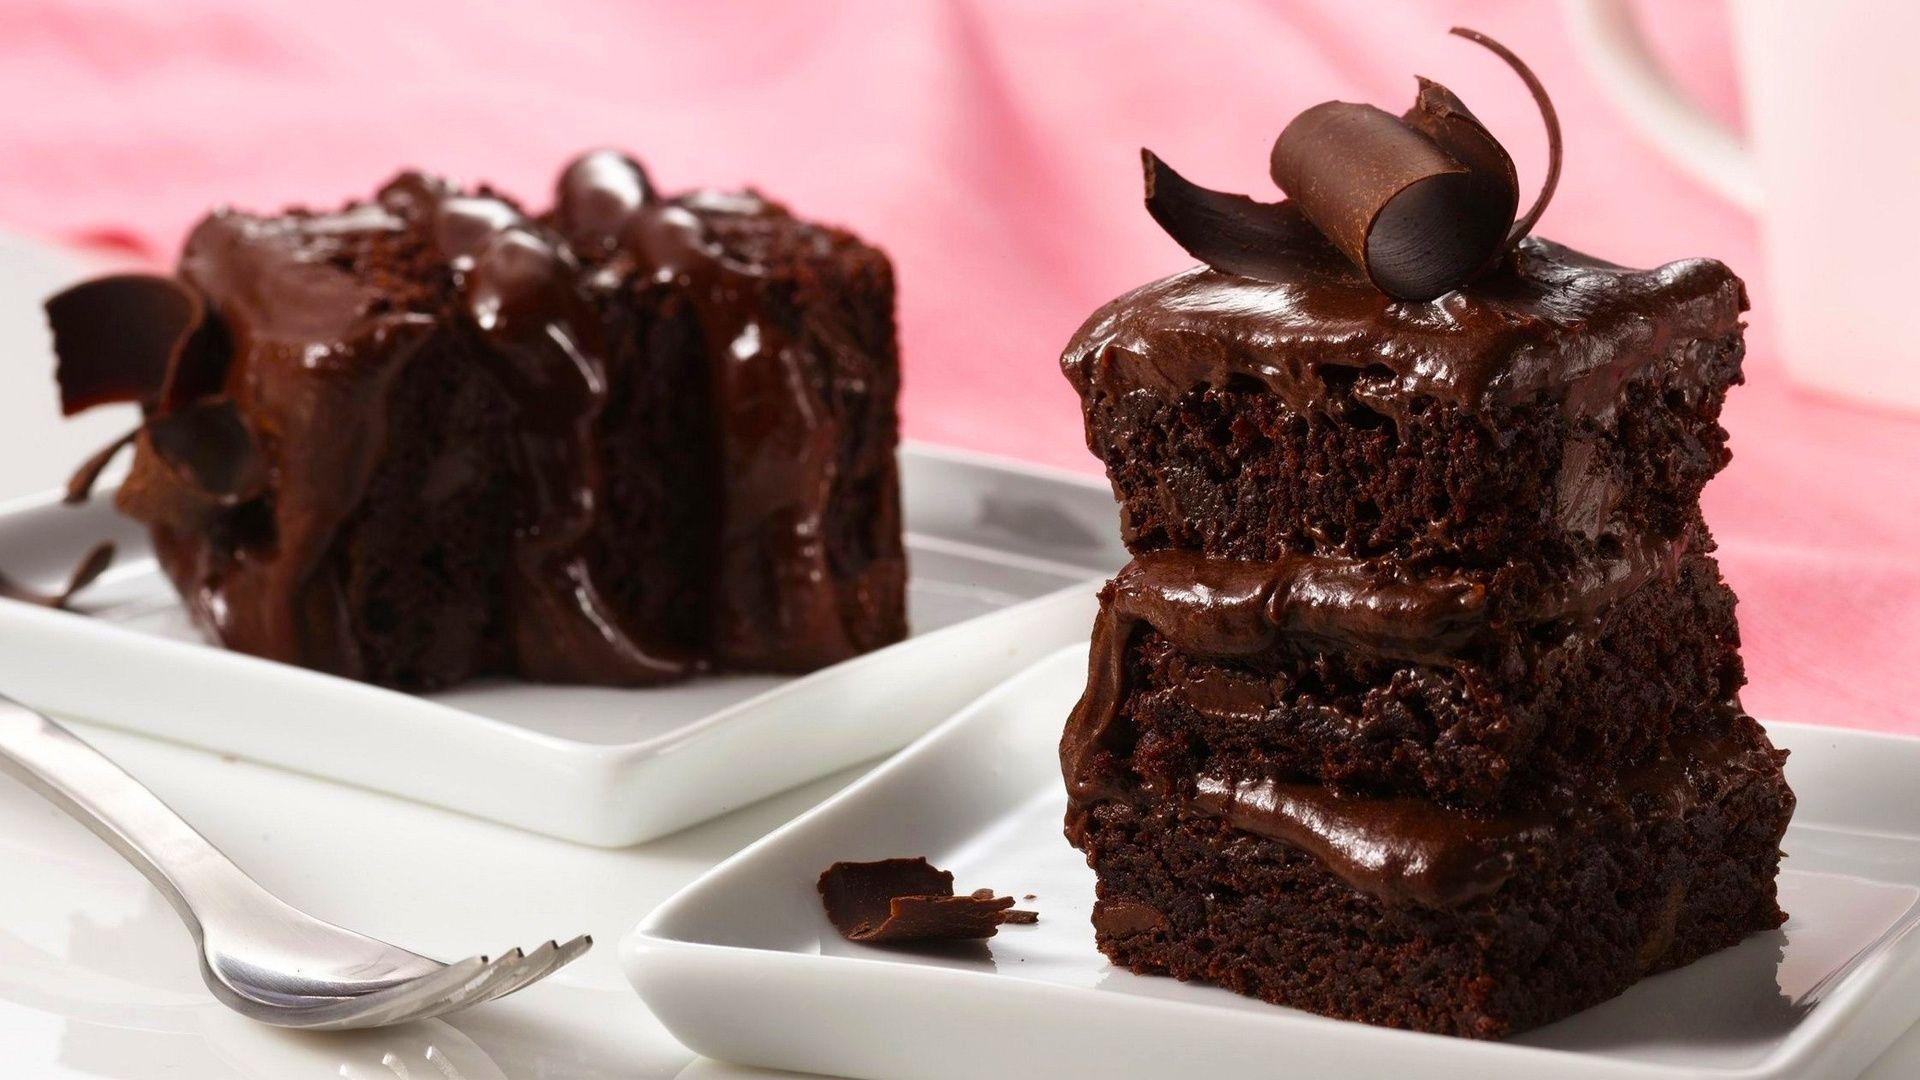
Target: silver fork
x: 259, y: 955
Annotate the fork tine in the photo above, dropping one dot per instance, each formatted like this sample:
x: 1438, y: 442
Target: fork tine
x: 537, y: 964
x: 422, y: 1006
x: 540, y: 963
x: 499, y: 972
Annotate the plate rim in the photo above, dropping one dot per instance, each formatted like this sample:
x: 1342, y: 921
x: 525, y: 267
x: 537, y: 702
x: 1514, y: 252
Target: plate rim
x: 612, y: 755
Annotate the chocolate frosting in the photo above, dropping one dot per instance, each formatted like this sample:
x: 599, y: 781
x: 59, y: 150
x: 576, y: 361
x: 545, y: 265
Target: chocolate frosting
x: 1548, y: 323
x: 1404, y: 851
x: 1415, y: 852
x: 779, y: 439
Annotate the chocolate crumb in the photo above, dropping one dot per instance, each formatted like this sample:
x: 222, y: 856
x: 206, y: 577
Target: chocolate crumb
x: 92, y: 565
x: 901, y: 900
x: 1021, y: 916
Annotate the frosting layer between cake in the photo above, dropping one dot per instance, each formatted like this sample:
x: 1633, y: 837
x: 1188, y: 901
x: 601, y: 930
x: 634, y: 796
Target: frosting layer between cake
x: 1400, y: 848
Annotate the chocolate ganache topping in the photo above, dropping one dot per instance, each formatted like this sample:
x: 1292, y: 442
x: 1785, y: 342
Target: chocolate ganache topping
x: 1392, y: 278
x: 1473, y: 347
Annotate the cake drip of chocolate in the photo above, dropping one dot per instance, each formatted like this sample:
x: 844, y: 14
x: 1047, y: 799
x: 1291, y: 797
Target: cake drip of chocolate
x: 517, y: 291
x: 778, y: 452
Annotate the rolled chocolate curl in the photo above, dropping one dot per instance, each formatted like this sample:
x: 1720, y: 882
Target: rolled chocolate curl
x: 1419, y: 204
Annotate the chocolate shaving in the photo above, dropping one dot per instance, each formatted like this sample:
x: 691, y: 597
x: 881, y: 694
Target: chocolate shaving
x: 116, y: 338
x: 81, y: 484
x: 92, y: 565
x: 900, y: 900
x: 1231, y: 233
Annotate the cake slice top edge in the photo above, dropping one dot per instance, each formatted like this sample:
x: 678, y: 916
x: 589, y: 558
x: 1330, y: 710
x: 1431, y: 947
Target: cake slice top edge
x: 1542, y: 323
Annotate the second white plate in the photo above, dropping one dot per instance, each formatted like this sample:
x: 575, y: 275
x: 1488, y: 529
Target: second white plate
x: 742, y: 965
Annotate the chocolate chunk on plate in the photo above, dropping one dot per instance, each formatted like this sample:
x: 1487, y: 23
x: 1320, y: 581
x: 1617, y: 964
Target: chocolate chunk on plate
x: 901, y: 900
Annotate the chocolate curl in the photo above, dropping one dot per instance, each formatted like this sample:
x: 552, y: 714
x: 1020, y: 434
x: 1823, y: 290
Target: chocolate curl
x: 1421, y: 203
x: 92, y: 565
x: 1548, y: 116
x: 899, y: 900
x: 81, y: 484
x: 116, y: 338
x: 1231, y: 233
x: 209, y: 446
x: 193, y: 464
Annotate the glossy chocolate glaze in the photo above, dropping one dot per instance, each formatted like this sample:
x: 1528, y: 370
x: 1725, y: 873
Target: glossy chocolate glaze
x: 1547, y: 323
x: 309, y: 345
x: 779, y: 435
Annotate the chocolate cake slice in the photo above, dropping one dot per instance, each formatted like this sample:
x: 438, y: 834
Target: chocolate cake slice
x: 423, y: 438
x: 1418, y: 702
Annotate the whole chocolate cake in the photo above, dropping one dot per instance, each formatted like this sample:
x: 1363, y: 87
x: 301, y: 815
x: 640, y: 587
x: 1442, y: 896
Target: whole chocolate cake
x: 1417, y: 704
x: 430, y: 436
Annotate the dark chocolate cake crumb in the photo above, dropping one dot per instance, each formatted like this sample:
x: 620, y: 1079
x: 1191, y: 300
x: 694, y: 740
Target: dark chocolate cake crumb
x: 901, y: 900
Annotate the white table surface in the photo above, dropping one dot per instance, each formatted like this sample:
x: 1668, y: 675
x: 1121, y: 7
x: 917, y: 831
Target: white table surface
x: 299, y: 836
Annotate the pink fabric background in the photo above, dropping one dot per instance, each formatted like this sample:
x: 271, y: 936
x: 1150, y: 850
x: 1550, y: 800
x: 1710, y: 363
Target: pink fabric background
x: 991, y: 147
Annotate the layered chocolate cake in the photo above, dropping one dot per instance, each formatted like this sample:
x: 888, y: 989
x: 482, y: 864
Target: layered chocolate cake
x: 431, y: 436
x: 1417, y: 704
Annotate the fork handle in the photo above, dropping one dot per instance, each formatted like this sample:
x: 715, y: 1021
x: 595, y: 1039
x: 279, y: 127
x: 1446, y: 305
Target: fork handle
x: 193, y: 875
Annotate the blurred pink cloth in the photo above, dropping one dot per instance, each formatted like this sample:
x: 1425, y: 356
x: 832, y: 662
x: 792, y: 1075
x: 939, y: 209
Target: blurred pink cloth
x: 992, y: 148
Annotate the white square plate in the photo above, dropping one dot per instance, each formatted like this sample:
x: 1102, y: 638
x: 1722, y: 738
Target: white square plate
x: 743, y: 966
x: 992, y: 546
